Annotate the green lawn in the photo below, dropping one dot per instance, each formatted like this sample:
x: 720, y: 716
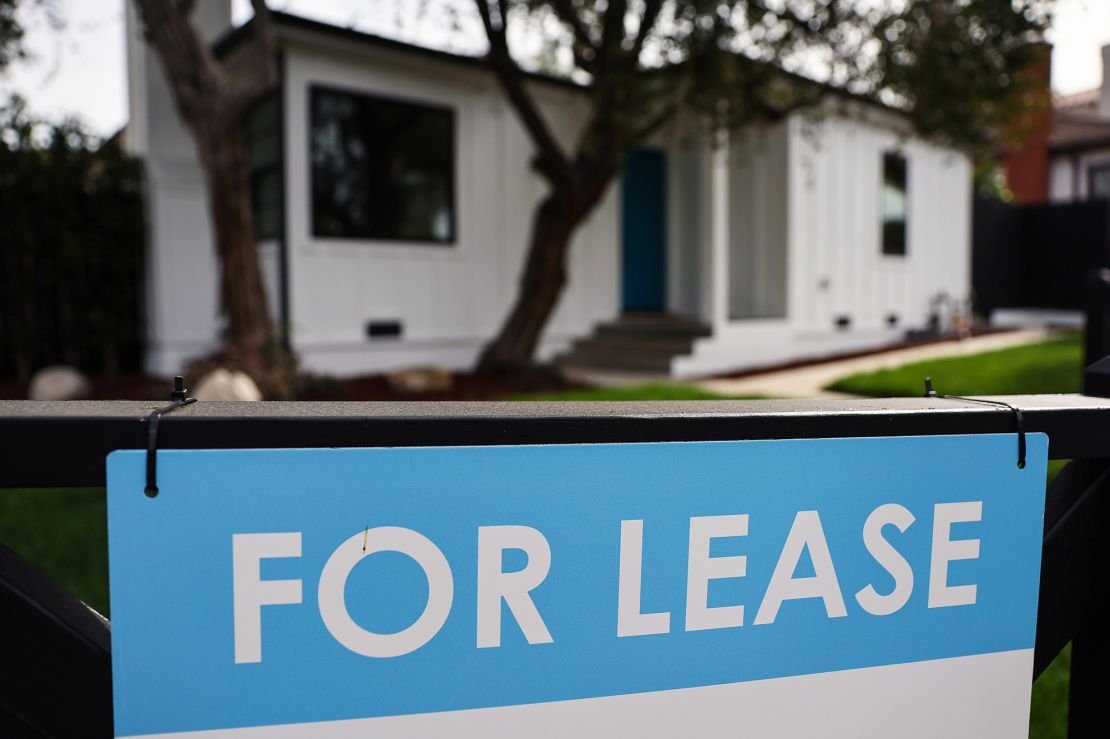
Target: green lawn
x: 64, y: 533
x: 1048, y: 367
x: 651, y: 391
x: 1048, y: 718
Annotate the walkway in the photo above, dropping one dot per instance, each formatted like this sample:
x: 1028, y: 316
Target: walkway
x: 810, y: 381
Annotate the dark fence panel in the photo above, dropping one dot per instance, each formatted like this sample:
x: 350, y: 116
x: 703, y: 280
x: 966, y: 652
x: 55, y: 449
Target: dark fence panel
x: 996, y: 255
x: 56, y: 674
x: 71, y: 255
x: 1063, y: 243
x: 1036, y: 256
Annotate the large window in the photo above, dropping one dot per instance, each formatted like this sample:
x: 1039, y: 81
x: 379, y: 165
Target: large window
x: 895, y: 179
x: 381, y: 168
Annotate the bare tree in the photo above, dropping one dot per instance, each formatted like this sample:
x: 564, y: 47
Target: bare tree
x: 213, y: 102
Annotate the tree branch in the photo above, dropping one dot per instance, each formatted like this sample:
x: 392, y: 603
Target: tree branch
x: 652, y: 8
x: 612, y: 33
x: 550, y: 160
x: 263, y: 51
x: 565, y: 11
x: 189, y: 66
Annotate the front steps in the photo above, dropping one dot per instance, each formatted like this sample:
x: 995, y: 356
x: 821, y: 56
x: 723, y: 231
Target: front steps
x: 635, y: 343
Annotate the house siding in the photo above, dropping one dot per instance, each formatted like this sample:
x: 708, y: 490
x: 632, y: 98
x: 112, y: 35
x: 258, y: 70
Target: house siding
x: 182, y: 318
x: 773, y: 235
x: 828, y: 169
x: 836, y: 216
x: 451, y: 299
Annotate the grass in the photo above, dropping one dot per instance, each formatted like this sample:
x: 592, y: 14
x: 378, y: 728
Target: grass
x: 65, y: 534
x: 1048, y: 718
x: 651, y: 391
x: 1052, y: 366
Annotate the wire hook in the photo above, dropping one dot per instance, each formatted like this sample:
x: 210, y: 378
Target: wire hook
x: 180, y: 397
x: 1019, y: 420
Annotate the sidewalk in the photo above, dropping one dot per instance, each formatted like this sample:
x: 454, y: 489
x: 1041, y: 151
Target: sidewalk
x: 809, y: 381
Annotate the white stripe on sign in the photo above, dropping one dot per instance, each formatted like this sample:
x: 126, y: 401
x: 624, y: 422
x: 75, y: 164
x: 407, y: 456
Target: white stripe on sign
x: 973, y: 697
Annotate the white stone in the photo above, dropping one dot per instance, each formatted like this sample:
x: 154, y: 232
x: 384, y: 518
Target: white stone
x: 418, y: 380
x: 224, y: 384
x: 59, y: 382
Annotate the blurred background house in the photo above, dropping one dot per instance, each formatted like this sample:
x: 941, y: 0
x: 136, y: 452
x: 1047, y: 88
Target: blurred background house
x: 1078, y: 143
x: 393, y: 196
x: 1033, y: 252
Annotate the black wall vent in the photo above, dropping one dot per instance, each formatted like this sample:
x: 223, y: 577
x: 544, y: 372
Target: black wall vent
x: 383, y: 330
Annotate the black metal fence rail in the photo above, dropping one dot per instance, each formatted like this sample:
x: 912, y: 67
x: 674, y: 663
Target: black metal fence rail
x: 55, y: 444
x: 65, y: 444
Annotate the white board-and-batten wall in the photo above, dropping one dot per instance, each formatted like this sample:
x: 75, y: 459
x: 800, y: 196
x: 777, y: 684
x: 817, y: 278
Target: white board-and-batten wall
x: 770, y: 239
x: 800, y: 207
x: 449, y: 298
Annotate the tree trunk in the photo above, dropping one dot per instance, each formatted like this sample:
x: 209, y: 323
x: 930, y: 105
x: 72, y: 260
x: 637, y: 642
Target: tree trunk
x: 212, y: 102
x: 251, y: 341
x: 541, y: 285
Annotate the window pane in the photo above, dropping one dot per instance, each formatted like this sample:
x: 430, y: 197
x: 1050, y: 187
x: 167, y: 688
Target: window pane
x: 381, y: 169
x: 266, y: 192
x: 1099, y: 182
x: 263, y: 151
x: 260, y: 136
x: 895, y: 171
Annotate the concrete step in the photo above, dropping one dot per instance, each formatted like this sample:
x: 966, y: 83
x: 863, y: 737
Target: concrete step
x: 636, y: 342
x: 616, y: 360
x: 600, y: 354
x: 669, y: 345
x: 651, y: 325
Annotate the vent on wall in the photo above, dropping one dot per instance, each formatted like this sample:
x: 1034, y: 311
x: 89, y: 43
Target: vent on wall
x: 892, y: 319
x: 843, y: 323
x: 383, y: 330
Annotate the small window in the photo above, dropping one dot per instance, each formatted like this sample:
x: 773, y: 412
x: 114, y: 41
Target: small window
x: 1098, y: 182
x: 381, y: 169
x: 261, y: 137
x: 895, y: 171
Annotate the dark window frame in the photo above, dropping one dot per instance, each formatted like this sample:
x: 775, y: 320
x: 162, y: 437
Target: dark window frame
x: 1093, y: 170
x: 314, y: 89
x: 274, y: 168
x: 900, y: 248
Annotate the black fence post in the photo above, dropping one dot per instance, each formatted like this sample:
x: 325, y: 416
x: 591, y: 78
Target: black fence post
x: 1090, y: 647
x: 1076, y: 564
x: 1096, y: 296
x: 1090, y: 653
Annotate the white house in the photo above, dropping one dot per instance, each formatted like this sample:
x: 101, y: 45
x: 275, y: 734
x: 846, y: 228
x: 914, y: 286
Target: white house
x: 394, y: 196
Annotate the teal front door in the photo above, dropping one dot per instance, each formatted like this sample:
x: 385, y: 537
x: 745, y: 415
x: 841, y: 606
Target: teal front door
x: 644, y: 232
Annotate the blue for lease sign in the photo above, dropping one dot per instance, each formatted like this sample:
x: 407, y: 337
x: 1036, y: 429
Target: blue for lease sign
x: 836, y: 587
